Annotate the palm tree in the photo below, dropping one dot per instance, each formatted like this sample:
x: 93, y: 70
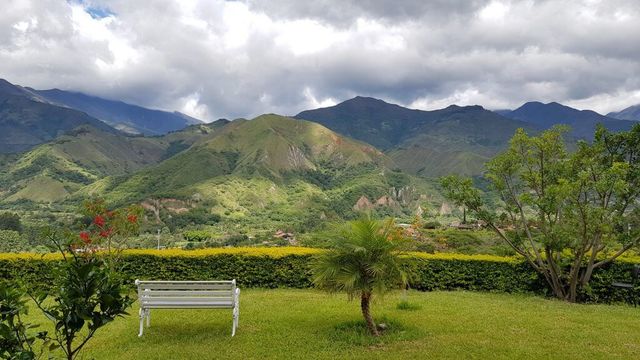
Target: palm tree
x: 364, y: 259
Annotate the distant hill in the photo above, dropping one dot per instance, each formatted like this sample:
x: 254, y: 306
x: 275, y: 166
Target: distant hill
x: 123, y: 116
x: 430, y: 143
x: 26, y: 121
x: 455, y: 140
x: 368, y: 119
x: 86, y: 155
x: 630, y: 113
x: 582, y: 122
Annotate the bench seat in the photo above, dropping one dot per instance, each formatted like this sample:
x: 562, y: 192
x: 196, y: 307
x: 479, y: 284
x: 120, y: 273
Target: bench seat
x: 188, y: 295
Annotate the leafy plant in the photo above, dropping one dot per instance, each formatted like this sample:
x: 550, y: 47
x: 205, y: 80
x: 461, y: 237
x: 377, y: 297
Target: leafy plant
x: 87, y: 291
x: 87, y: 294
x: 567, y: 214
x: 17, y: 337
x: 364, y: 259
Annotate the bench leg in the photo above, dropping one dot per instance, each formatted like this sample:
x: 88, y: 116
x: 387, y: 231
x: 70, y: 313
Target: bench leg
x: 148, y: 317
x: 236, y: 311
x: 235, y: 321
x: 141, y: 322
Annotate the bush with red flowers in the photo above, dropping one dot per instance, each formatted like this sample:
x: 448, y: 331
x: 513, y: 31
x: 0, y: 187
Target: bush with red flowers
x: 108, y: 228
x: 87, y: 290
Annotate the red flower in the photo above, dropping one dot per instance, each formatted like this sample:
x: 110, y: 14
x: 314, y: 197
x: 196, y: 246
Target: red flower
x: 85, y: 237
x: 132, y: 218
x: 105, y: 233
x: 98, y: 220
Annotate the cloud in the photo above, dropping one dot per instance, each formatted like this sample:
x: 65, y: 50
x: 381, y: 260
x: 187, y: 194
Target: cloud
x: 215, y: 58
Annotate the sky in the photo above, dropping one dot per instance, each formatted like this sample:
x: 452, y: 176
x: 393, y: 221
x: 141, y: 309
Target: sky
x: 213, y: 59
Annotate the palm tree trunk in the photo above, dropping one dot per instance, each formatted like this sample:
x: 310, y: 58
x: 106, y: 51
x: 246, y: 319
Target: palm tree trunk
x: 365, y: 300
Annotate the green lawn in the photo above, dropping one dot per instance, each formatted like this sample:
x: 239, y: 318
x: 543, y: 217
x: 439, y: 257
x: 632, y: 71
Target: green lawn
x: 307, y: 324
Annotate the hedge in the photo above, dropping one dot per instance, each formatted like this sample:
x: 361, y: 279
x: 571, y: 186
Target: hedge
x: 290, y: 267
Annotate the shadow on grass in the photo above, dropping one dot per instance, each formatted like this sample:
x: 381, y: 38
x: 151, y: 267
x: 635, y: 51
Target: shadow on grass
x: 356, y: 332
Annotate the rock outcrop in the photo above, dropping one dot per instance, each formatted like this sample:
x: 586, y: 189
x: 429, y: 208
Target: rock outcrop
x: 363, y: 204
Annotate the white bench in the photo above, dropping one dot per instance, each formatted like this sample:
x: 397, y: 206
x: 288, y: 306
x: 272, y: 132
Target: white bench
x: 188, y: 295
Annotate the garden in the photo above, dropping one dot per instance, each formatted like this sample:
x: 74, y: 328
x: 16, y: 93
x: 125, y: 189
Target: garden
x: 308, y: 324
x: 573, y: 224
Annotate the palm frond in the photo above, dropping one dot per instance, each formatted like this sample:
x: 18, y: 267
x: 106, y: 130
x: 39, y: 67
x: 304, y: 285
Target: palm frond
x: 365, y: 256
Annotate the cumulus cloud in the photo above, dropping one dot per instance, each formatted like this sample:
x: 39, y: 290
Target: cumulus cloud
x: 216, y: 58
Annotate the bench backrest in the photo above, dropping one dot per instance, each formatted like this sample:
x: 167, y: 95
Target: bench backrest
x: 187, y: 294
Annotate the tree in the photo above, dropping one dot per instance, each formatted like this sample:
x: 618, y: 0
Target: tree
x: 567, y: 214
x: 12, y: 241
x: 364, y: 259
x: 10, y: 221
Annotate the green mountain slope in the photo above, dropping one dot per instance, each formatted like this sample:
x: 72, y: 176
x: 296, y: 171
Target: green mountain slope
x: 275, y: 172
x: 269, y: 146
x: 83, y: 156
x: 258, y: 176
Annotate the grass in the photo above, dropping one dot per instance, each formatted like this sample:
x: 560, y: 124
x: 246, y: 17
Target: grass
x: 307, y: 324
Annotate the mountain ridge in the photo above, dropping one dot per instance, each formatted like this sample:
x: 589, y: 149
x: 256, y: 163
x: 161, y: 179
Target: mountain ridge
x: 429, y: 143
x: 26, y: 120
x: 630, y: 113
x: 119, y: 114
x: 582, y: 122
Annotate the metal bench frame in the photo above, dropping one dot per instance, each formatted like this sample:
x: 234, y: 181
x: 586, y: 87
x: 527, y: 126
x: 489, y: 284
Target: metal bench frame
x: 187, y: 295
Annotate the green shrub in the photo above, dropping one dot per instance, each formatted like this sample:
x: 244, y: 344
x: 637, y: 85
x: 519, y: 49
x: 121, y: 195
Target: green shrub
x: 431, y: 225
x: 10, y: 221
x: 291, y: 268
x: 196, y: 235
x: 12, y: 241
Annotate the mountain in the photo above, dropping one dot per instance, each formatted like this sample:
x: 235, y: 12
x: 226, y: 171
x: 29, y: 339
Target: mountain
x: 630, y: 113
x: 430, y: 143
x: 268, y: 173
x: 122, y: 116
x: 582, y: 122
x: 86, y: 155
x: 25, y: 120
x: 269, y: 146
x: 276, y: 172
x: 371, y: 120
x: 455, y: 140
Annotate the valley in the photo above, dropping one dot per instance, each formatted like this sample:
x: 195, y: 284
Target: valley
x: 271, y: 180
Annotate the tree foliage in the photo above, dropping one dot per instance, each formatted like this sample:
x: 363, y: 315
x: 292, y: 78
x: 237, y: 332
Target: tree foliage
x: 364, y: 260
x: 18, y: 337
x: 86, y: 290
x: 10, y: 221
x: 567, y: 213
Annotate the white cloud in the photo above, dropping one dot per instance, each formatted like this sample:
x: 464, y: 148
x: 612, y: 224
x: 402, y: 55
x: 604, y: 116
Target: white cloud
x: 216, y: 58
x: 191, y: 106
x: 494, y: 11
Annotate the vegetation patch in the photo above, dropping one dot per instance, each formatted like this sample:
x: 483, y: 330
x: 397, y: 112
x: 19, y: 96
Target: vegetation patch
x: 355, y: 332
x: 406, y: 305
